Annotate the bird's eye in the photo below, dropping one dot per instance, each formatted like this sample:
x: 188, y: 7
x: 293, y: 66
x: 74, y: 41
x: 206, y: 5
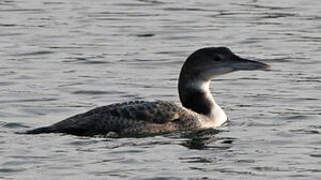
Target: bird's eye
x: 217, y: 58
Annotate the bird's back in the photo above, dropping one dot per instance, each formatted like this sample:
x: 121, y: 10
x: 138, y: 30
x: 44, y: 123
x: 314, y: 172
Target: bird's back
x: 126, y: 119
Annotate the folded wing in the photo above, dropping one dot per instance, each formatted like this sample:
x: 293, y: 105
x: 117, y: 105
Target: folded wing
x: 115, y: 117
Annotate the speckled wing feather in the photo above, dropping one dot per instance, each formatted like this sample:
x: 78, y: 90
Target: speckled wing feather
x: 132, y: 116
x: 154, y: 112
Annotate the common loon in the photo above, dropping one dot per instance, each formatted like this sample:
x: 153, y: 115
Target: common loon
x: 198, y: 111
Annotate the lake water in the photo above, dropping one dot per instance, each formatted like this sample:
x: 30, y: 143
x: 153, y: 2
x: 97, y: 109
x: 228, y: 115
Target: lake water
x: 60, y: 58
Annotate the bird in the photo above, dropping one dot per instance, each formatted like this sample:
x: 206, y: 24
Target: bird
x: 198, y: 109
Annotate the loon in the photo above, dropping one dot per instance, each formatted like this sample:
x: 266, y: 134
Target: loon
x: 198, y: 109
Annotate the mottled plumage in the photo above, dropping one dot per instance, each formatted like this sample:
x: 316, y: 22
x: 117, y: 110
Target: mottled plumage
x: 127, y: 119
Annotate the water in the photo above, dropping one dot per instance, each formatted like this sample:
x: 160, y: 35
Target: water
x: 60, y: 58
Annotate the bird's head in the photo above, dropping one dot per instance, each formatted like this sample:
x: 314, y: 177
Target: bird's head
x: 207, y: 63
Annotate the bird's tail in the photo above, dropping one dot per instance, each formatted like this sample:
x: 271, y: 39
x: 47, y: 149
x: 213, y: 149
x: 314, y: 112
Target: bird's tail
x: 40, y: 130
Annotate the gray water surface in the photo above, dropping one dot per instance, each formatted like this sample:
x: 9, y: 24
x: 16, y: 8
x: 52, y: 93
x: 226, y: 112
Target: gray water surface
x: 59, y: 58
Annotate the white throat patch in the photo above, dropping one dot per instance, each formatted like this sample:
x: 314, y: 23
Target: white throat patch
x: 218, y: 116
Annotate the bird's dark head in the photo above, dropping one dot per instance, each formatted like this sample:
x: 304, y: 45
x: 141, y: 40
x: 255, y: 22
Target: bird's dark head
x: 206, y: 63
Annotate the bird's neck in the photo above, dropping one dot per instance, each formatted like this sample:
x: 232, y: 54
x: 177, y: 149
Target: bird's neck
x: 196, y: 96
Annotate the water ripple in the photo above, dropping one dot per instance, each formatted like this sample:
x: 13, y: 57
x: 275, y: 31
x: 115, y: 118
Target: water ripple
x: 13, y: 125
x: 96, y: 92
x: 35, y: 53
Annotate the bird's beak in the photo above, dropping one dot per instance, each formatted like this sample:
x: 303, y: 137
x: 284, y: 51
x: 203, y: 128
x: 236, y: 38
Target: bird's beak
x: 245, y: 64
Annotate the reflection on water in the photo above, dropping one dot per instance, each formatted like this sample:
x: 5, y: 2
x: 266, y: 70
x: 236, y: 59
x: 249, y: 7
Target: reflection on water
x: 203, y: 139
x: 65, y: 57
